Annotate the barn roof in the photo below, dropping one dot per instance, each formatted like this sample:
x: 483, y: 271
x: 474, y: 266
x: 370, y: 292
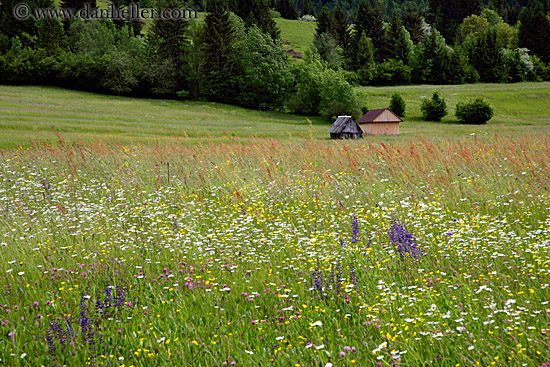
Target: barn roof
x: 345, y: 124
x: 372, y: 115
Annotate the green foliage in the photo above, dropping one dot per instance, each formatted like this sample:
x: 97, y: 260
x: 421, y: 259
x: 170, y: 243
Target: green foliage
x: 340, y: 28
x: 51, y: 36
x: 397, y: 104
x: 391, y: 72
x: 322, y: 90
x: 324, y: 21
x: 476, y: 112
x: 121, y: 74
x: 336, y: 96
x: 287, y: 9
x: 169, y: 35
x: 263, y: 67
x: 365, y: 59
x: 446, y: 15
x: 217, y: 39
x: 430, y: 60
x: 534, y: 32
x: 305, y: 100
x: 460, y: 69
x: 434, y: 109
x: 487, y: 58
x: 256, y: 12
x: 412, y: 21
x: 327, y: 48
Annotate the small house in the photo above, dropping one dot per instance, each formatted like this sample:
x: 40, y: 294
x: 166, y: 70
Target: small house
x: 380, y: 121
x: 345, y: 128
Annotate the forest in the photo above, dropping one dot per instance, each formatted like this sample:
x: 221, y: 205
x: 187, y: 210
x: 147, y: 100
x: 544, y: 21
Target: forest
x: 234, y: 55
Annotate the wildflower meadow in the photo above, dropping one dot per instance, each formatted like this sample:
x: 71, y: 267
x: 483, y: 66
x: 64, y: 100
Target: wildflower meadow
x: 277, y: 253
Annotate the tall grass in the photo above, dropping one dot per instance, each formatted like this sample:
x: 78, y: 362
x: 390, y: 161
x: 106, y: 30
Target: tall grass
x: 276, y: 253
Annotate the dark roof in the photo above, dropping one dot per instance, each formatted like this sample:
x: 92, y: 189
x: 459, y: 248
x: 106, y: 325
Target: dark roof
x: 373, y: 114
x: 345, y: 124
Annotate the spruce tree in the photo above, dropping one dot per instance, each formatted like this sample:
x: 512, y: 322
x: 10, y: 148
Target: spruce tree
x: 216, y: 44
x: 169, y: 35
x: 394, y: 33
x: 403, y: 46
x: 51, y: 36
x: 534, y: 32
x: 340, y: 28
x: 324, y: 22
x: 413, y: 23
x: 378, y: 35
x: 308, y: 8
x: 287, y: 9
x: 365, y: 59
x: 397, y: 104
x: 431, y: 60
x: 487, y: 58
x: 446, y: 15
x: 363, y: 24
x: 256, y: 12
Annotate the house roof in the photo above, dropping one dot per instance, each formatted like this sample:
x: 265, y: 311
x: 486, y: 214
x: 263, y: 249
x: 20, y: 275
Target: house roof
x: 372, y: 115
x: 345, y: 124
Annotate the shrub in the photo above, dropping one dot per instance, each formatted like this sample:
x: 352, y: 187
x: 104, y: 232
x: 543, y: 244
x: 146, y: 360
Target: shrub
x: 397, y: 104
x: 434, y: 109
x: 476, y: 112
x: 391, y: 72
x: 337, y: 96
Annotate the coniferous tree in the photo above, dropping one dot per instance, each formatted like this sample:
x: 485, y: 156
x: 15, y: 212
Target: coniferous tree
x: 413, y: 23
x: 340, y: 28
x: 487, y: 58
x: 365, y: 59
x: 534, y: 32
x: 169, y: 35
x: 393, y: 35
x: 324, y: 21
x: 308, y: 8
x: 378, y: 36
x: 403, y: 46
x: 397, y: 104
x: 430, y: 62
x: 216, y: 43
x: 51, y: 36
x: 256, y: 12
x: 363, y: 24
x: 287, y: 9
x: 446, y: 15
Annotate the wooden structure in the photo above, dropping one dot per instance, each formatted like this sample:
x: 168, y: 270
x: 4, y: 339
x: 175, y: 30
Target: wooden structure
x: 380, y: 121
x: 345, y: 128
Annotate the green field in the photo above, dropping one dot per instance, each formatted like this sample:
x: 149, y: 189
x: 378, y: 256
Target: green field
x: 31, y: 112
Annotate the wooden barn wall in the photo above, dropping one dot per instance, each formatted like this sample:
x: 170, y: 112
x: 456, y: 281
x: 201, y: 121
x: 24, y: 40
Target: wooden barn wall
x: 385, y: 116
x: 389, y: 128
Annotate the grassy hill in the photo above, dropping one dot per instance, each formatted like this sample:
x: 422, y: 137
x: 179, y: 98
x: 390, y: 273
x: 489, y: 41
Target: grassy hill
x: 30, y: 112
x: 298, y: 35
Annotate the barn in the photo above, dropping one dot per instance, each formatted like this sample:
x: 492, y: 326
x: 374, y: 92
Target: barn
x: 380, y: 121
x: 345, y: 128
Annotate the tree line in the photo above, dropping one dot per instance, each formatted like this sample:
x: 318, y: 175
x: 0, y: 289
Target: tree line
x: 235, y: 56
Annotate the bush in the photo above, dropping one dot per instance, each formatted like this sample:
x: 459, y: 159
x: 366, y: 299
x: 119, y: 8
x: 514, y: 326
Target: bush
x: 336, y: 96
x: 434, y: 109
x: 474, y: 112
x: 391, y: 72
x: 397, y: 104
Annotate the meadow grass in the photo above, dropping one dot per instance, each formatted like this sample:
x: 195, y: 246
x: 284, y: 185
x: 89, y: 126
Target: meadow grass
x: 35, y: 112
x: 275, y: 252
